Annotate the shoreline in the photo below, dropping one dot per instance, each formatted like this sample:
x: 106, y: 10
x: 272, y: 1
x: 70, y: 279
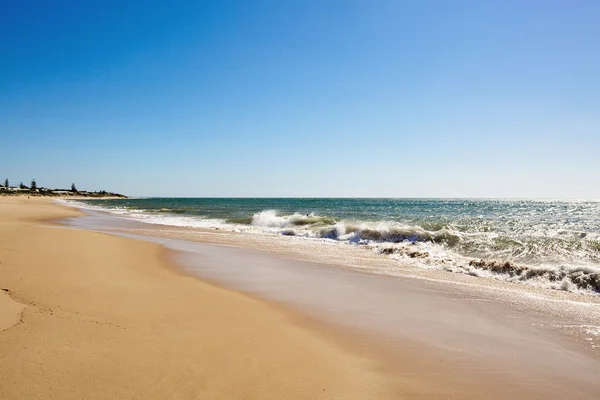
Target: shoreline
x: 339, y: 254
x: 416, y: 246
x: 396, y: 353
x: 116, y: 321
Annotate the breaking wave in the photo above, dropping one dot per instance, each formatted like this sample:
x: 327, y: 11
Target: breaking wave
x: 584, y: 278
x: 271, y: 219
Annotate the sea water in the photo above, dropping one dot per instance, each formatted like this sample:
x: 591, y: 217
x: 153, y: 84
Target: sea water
x: 548, y: 243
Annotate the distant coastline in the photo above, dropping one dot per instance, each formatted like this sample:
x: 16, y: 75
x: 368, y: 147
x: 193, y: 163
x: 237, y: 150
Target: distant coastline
x: 62, y: 193
x: 34, y: 190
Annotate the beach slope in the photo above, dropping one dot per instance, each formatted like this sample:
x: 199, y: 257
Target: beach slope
x: 88, y: 315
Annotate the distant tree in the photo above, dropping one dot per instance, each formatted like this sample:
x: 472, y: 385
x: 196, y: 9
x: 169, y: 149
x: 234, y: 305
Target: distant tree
x: 73, y: 188
x: 21, y: 186
x: 33, y: 184
x: 6, y: 183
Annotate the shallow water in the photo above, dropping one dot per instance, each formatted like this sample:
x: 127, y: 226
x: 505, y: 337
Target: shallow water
x: 547, y: 243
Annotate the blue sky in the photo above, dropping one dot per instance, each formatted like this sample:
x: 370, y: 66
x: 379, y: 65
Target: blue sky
x: 303, y: 98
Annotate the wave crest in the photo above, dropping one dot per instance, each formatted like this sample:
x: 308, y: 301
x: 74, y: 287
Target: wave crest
x: 582, y: 277
x: 391, y: 233
x: 270, y: 219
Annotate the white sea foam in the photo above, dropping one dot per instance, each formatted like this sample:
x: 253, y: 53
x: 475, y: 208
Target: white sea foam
x: 270, y: 219
x: 153, y: 218
x: 592, y: 330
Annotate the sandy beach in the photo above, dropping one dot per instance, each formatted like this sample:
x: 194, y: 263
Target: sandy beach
x: 88, y: 315
x: 103, y: 314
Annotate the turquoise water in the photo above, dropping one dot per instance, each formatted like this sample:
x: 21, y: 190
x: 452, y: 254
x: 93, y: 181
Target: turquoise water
x: 554, y: 243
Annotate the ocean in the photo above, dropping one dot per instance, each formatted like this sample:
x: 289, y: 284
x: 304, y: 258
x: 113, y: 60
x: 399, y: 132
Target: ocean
x: 546, y: 243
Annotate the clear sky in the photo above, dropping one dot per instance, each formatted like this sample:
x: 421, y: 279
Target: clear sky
x: 303, y: 98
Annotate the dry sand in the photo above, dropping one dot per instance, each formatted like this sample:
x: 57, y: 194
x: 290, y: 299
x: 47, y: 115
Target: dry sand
x: 88, y: 315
